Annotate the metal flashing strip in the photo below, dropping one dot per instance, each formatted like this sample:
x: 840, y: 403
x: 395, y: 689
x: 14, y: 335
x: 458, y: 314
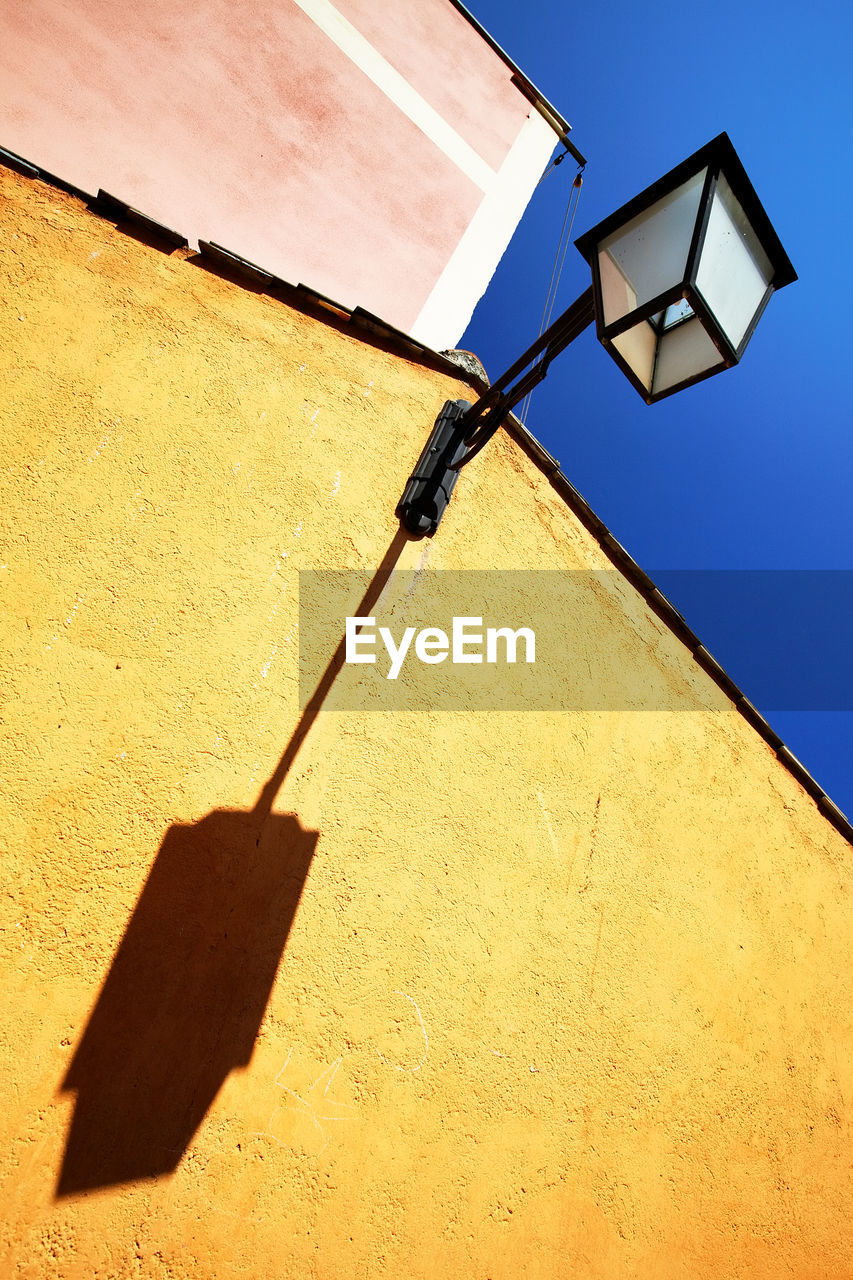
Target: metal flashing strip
x: 711, y: 666
x: 374, y: 324
x: 111, y: 207
x: 213, y: 252
x: 233, y: 265
x: 10, y: 160
x: 801, y: 773
x: 758, y: 722
x: 667, y: 611
x: 317, y: 299
x: 833, y: 814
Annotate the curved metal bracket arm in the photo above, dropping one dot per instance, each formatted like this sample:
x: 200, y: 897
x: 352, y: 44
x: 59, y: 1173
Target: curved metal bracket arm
x: 461, y: 429
x: 485, y: 416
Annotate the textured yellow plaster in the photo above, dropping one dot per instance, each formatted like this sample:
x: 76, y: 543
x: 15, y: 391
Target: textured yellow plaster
x: 495, y: 995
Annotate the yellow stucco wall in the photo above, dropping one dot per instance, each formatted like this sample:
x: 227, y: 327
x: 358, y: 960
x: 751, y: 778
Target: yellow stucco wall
x: 492, y: 994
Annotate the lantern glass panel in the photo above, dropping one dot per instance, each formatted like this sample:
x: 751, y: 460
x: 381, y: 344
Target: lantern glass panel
x: 734, y: 271
x: 648, y: 255
x: 637, y: 347
x: 684, y: 351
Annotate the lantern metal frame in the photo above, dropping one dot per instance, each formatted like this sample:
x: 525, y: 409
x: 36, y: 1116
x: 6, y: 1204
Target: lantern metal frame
x: 718, y: 158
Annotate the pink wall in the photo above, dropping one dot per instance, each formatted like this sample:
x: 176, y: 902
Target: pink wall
x: 246, y: 124
x: 446, y: 60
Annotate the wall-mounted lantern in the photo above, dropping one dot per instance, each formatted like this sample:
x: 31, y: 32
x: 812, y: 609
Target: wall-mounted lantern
x: 680, y: 277
x: 682, y: 273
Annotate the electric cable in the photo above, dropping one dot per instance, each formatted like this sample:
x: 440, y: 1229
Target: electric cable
x: 559, y: 259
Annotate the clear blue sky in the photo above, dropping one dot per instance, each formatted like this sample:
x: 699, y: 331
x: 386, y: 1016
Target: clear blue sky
x: 753, y: 468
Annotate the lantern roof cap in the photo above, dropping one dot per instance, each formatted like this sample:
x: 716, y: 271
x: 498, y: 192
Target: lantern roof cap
x: 718, y: 155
